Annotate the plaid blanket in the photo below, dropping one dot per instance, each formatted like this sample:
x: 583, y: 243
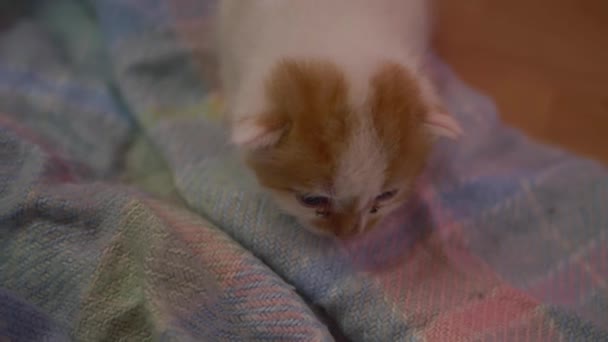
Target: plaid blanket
x: 125, y: 217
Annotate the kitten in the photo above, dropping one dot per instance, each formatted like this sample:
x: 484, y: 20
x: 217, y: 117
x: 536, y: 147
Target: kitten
x: 329, y: 103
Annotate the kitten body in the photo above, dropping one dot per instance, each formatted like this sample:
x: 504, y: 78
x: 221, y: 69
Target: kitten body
x: 330, y: 105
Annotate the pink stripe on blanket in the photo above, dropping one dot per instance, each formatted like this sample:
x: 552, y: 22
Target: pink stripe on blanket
x: 502, y: 312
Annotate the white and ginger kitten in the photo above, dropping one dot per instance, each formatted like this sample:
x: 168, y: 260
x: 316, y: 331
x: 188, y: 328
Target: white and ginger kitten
x: 330, y: 105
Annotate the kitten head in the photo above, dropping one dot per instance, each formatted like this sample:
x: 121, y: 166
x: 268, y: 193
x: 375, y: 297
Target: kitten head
x: 339, y: 166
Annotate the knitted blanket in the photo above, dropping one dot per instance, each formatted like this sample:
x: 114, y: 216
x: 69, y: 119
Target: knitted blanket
x: 124, y: 215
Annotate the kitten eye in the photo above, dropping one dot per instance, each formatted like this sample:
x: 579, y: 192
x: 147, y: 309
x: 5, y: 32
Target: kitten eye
x: 386, y: 195
x: 313, y: 201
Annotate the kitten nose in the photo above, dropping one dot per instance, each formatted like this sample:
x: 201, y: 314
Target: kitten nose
x: 349, y: 229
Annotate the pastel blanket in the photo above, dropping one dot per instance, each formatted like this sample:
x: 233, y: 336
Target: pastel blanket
x: 124, y: 215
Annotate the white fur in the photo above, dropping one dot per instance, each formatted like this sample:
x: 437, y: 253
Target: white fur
x: 360, y: 174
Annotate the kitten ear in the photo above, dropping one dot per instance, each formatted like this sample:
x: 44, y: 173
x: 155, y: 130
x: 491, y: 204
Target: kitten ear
x: 257, y: 132
x: 441, y: 124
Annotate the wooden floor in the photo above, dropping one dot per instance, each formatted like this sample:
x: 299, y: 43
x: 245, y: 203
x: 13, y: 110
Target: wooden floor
x: 545, y: 63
